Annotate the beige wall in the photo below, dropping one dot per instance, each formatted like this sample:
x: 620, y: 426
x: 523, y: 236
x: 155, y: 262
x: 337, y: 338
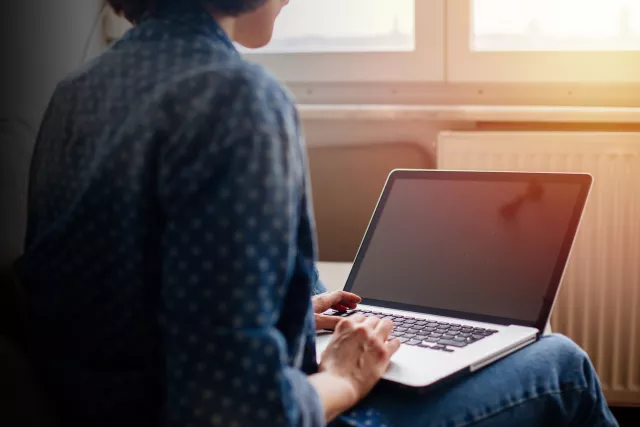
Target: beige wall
x: 350, y: 161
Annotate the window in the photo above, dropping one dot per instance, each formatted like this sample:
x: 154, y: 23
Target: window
x: 357, y: 41
x: 319, y: 44
x: 332, y: 26
x: 349, y: 41
x: 544, y: 40
x: 555, y: 25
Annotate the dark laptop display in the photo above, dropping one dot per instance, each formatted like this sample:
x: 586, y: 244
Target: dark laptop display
x: 483, y: 246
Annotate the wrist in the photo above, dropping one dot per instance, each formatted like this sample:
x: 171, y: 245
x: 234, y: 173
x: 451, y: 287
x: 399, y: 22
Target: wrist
x: 337, y: 393
x: 349, y: 390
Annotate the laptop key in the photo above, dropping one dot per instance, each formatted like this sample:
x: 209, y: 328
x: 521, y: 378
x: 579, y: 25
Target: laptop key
x: 401, y: 329
x: 343, y: 313
x: 421, y: 323
x: 397, y: 334
x: 403, y: 339
x: 452, y: 343
x: 477, y: 337
x: 414, y: 330
x: 409, y: 335
x: 431, y: 339
x: 427, y: 329
x: 461, y: 339
x: 421, y: 337
x: 413, y: 342
x: 409, y: 321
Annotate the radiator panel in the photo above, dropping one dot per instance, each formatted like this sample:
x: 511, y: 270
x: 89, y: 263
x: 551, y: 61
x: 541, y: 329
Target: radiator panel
x: 600, y: 296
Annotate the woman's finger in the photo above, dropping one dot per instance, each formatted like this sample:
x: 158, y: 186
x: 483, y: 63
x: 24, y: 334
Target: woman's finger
x: 357, y: 318
x: 372, y: 321
x: 347, y: 299
x: 325, y: 301
x: 326, y: 322
x: 340, y: 307
x: 337, y: 298
x: 392, y: 345
x: 384, y: 328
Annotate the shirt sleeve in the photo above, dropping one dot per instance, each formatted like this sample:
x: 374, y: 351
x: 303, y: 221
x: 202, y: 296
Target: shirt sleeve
x: 318, y: 286
x: 231, y: 184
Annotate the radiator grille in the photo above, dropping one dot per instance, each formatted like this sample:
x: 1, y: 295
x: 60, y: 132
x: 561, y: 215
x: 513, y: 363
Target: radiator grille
x: 600, y: 296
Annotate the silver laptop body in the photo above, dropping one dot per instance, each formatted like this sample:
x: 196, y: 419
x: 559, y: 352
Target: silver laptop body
x: 466, y: 264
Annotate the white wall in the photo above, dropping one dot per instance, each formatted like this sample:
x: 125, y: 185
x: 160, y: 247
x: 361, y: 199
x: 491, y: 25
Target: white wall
x: 41, y: 42
x: 46, y: 42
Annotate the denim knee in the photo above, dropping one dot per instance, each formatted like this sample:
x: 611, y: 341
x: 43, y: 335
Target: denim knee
x: 563, y: 346
x: 575, y: 371
x: 570, y: 363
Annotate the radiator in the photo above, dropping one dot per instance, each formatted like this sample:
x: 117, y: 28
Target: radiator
x: 599, y: 302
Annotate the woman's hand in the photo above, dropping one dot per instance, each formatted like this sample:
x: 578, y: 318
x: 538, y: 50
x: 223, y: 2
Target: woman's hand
x: 338, y: 300
x: 359, y: 353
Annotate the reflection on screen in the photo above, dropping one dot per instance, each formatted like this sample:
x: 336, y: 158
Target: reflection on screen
x: 469, y: 246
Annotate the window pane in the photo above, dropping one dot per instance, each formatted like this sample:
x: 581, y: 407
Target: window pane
x: 556, y: 25
x: 326, y: 26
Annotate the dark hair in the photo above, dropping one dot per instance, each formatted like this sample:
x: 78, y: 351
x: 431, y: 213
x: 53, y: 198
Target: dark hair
x: 134, y: 10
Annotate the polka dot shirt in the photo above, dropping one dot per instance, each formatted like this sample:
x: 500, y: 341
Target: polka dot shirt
x: 170, y: 248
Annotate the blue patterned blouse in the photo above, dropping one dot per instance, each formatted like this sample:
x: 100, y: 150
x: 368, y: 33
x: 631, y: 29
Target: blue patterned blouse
x: 170, y: 248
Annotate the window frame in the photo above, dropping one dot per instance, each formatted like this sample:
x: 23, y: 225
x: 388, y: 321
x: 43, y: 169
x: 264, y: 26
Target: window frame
x: 424, y: 64
x: 467, y: 66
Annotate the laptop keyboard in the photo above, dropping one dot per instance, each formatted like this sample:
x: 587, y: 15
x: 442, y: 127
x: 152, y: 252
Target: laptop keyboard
x: 429, y: 334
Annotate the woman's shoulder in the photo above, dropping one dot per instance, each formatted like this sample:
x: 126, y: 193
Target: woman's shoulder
x: 235, y: 92
x: 244, y: 79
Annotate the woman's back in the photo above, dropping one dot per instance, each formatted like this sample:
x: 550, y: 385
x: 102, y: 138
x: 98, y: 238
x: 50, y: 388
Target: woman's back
x: 167, y: 212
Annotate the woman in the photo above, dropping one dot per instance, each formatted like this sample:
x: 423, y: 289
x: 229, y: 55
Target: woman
x: 170, y: 255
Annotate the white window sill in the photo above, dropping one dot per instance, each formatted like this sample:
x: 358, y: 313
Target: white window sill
x: 471, y: 113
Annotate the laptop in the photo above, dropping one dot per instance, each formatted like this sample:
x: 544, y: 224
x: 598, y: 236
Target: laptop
x: 467, y: 265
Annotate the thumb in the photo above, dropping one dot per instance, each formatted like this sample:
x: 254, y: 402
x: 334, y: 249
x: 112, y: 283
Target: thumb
x: 326, y: 322
x: 393, y: 345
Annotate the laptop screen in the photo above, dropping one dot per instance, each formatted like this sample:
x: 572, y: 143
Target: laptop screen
x: 471, y: 244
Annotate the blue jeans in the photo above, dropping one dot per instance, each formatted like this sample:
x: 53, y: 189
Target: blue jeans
x: 549, y: 383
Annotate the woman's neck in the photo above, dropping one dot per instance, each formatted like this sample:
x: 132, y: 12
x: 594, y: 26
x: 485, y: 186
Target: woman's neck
x: 227, y: 23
